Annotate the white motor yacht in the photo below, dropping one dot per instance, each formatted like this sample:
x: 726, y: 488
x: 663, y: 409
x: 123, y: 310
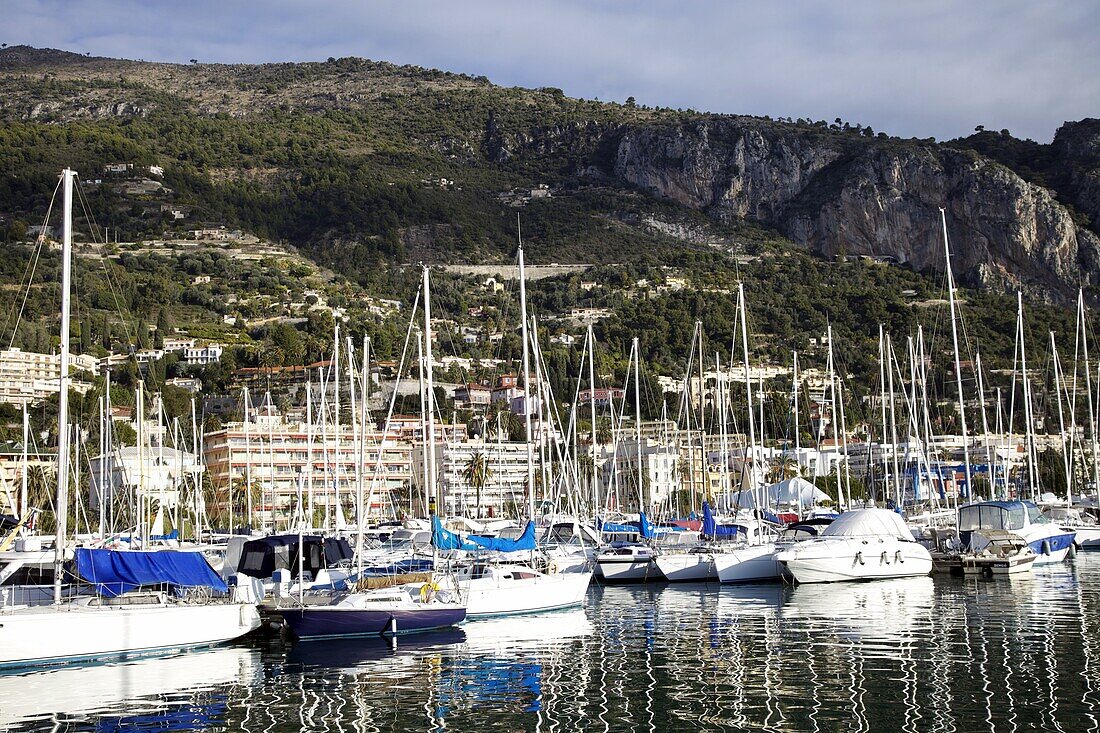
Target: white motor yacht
x: 861, y: 544
x: 1050, y: 542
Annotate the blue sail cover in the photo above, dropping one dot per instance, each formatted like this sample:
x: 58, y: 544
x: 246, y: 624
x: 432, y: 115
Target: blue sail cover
x: 648, y: 530
x: 613, y: 527
x: 113, y: 572
x: 526, y: 541
x: 711, y: 528
x: 445, y: 539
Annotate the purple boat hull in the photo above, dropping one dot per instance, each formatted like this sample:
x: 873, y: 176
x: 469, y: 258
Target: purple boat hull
x: 328, y: 621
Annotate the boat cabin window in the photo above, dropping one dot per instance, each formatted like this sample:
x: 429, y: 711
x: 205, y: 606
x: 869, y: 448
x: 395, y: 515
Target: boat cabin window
x: 520, y: 575
x: 990, y: 516
x: 1036, y: 516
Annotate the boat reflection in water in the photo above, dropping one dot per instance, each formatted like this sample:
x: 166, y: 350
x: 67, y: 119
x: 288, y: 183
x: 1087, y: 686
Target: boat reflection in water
x: 154, y: 693
x: 913, y: 654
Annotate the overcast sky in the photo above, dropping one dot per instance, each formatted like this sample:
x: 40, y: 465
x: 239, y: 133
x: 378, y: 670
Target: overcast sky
x: 924, y: 68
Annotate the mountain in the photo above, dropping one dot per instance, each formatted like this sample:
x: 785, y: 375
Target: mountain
x: 360, y: 163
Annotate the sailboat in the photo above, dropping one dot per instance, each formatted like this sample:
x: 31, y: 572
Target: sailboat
x: 498, y: 589
x: 115, y: 622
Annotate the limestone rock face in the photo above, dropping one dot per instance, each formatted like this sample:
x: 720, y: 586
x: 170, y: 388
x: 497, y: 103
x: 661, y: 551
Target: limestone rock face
x: 844, y: 195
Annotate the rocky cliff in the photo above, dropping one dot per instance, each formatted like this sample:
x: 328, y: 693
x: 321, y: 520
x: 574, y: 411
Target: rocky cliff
x: 842, y: 194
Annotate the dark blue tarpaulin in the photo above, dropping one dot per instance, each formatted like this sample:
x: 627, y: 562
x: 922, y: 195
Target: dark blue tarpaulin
x: 114, y: 572
x: 711, y: 528
x: 526, y: 541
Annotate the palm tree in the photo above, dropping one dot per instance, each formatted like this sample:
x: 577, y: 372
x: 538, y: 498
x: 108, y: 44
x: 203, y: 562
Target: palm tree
x: 783, y: 468
x: 603, y: 431
x: 477, y: 473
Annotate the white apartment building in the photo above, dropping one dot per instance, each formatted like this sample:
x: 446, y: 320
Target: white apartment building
x: 505, y: 492
x: 205, y: 354
x: 27, y: 377
x: 151, y: 472
x: 276, y: 455
x: 660, y: 471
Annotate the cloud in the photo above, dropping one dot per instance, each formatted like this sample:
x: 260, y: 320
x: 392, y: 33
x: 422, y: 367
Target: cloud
x: 934, y: 68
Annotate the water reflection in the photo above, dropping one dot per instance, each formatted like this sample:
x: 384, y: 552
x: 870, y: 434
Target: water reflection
x: 914, y: 655
x: 165, y: 693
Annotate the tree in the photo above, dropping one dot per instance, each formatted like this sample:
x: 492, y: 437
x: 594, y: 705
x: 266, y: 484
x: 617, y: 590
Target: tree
x: 477, y: 473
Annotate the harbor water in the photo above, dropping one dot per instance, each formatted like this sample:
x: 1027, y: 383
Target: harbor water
x: 922, y: 654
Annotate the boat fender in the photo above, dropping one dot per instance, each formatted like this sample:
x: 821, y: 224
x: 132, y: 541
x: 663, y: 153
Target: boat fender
x: 898, y: 557
x: 1046, y: 547
x: 427, y: 591
x: 859, y: 557
x: 882, y: 560
x: 1072, y: 553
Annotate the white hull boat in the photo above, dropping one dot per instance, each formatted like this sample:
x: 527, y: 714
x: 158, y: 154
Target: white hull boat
x: 505, y: 590
x: 863, y: 544
x: 835, y: 560
x: 84, y: 629
x: 633, y: 564
x: 750, y: 564
x: 684, y: 567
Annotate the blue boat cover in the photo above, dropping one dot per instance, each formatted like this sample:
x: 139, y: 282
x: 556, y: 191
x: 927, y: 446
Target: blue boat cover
x: 711, y: 528
x: 444, y: 539
x: 648, y: 530
x: 613, y: 527
x: 113, y: 572
x: 526, y: 541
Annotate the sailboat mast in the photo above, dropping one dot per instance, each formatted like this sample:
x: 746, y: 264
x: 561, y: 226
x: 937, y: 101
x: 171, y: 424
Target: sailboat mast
x: 638, y: 419
x: 67, y: 177
x: 1088, y: 390
x: 592, y: 411
x: 958, y: 364
x: 748, y: 401
x: 526, y: 382
x: 1061, y: 420
x: 429, y: 389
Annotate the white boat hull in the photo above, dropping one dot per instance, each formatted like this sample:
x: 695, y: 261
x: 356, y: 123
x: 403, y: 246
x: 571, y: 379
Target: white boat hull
x: 1088, y: 538
x: 837, y: 559
x: 623, y: 569
x: 491, y: 596
x: 751, y: 564
x: 72, y: 632
x: 682, y: 567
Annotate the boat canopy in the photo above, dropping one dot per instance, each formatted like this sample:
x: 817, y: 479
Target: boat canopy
x: 260, y: 558
x: 114, y: 572
x: 868, y: 523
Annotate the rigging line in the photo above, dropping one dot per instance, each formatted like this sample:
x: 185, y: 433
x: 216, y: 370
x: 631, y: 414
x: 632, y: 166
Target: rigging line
x: 32, y: 266
x: 131, y: 328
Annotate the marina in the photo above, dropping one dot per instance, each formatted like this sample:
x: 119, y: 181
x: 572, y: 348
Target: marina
x: 908, y: 654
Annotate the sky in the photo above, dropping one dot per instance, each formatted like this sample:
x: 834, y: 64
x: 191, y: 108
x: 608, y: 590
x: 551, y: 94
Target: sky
x: 927, y: 68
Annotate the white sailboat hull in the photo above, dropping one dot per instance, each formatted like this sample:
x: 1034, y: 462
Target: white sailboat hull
x: 495, y: 596
x: 751, y: 564
x: 626, y: 570
x: 687, y: 567
x: 837, y: 559
x: 73, y: 632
